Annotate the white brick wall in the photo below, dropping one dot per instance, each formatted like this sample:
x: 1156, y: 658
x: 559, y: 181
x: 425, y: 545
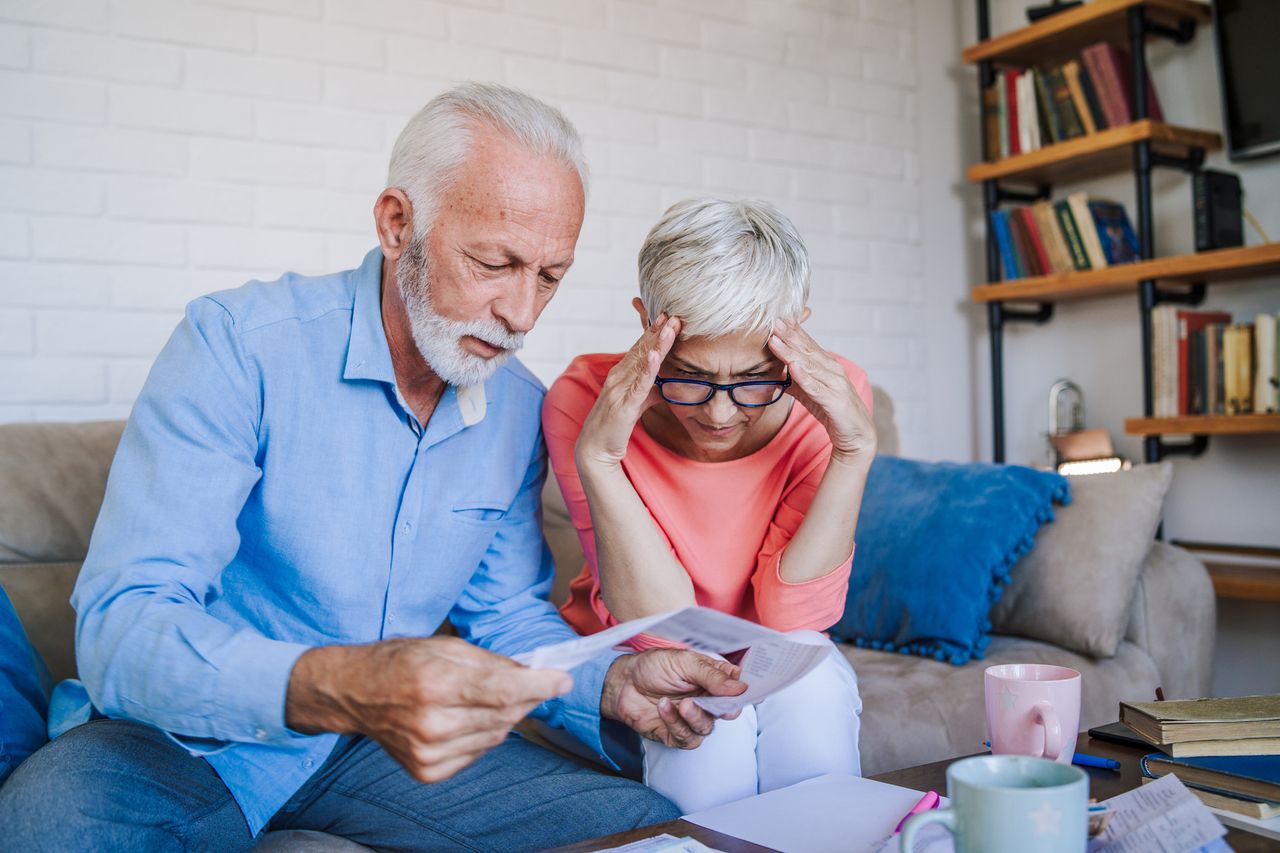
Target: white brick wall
x: 153, y: 150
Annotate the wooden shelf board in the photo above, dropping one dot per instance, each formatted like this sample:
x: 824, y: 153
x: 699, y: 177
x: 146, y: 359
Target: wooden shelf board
x: 1066, y: 33
x: 1204, y: 425
x: 1217, y: 265
x: 1106, y: 152
x: 1250, y: 583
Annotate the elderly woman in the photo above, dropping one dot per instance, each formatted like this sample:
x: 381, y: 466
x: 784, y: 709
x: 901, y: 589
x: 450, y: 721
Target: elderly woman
x: 692, y: 476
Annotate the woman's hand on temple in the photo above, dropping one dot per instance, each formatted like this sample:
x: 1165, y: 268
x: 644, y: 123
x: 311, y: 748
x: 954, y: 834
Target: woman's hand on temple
x: 821, y: 385
x: 627, y: 393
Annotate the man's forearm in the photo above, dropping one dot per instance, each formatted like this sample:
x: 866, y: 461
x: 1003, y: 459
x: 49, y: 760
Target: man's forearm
x: 825, y: 537
x: 639, y: 576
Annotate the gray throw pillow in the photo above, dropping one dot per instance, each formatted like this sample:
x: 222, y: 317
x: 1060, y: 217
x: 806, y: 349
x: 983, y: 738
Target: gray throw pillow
x: 1075, y: 586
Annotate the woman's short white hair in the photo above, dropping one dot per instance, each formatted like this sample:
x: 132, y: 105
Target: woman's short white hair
x: 436, y: 141
x: 724, y: 267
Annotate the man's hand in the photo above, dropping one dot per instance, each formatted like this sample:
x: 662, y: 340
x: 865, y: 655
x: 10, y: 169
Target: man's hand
x: 821, y: 385
x: 435, y: 704
x: 627, y: 393
x: 651, y: 692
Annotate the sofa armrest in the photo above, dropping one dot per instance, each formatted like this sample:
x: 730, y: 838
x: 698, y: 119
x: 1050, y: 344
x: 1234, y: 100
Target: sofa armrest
x: 1174, y: 618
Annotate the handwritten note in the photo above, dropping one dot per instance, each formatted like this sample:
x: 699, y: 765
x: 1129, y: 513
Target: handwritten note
x: 1162, y: 817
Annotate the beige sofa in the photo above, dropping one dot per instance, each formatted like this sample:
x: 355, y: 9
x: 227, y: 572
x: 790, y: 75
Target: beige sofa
x: 52, y: 477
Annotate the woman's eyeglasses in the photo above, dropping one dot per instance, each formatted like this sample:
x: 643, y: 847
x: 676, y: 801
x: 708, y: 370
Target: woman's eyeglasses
x: 695, y: 392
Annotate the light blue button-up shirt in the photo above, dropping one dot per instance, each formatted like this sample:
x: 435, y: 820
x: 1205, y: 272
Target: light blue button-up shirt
x: 271, y: 494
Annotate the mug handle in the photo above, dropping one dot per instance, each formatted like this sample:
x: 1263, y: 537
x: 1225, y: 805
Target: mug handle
x: 946, y: 817
x: 1047, y: 717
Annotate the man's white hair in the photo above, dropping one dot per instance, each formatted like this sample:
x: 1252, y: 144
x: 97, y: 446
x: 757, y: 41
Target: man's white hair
x: 724, y: 267
x: 436, y: 141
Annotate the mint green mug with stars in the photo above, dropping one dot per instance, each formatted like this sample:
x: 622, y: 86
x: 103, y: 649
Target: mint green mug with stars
x: 1011, y: 804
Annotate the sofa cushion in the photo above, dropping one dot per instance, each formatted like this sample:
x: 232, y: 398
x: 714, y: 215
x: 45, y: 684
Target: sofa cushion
x: 1076, y: 587
x: 936, y: 542
x: 52, y: 479
x: 916, y: 711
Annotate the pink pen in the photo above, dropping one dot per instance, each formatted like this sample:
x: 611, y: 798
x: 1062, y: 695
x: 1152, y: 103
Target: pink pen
x: 928, y: 801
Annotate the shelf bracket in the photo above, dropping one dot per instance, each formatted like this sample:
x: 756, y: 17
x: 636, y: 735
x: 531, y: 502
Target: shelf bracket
x: 1039, y: 316
x: 1196, y: 446
x: 1040, y: 193
x: 1192, y: 296
x: 1181, y: 34
x: 1190, y: 163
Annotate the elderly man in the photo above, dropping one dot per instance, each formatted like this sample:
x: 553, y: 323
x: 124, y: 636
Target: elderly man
x: 318, y: 472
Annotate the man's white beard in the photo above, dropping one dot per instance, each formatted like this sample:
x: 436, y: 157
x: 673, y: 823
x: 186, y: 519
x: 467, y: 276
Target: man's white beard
x: 439, y: 338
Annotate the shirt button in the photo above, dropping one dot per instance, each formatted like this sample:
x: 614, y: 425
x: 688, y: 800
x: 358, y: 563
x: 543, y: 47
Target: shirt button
x: 408, y: 525
x: 308, y: 764
x: 260, y: 734
x: 391, y: 617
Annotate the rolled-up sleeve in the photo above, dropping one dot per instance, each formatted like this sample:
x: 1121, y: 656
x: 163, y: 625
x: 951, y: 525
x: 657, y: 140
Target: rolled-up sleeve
x: 505, y: 608
x: 146, y: 644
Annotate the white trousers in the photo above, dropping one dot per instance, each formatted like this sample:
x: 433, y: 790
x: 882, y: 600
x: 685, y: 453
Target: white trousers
x: 807, y: 730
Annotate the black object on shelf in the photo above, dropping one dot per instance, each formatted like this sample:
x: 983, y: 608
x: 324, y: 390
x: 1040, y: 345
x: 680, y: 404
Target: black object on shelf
x: 1035, y: 13
x: 1215, y: 198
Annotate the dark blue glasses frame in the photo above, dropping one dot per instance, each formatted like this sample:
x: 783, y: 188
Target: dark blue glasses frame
x: 713, y: 387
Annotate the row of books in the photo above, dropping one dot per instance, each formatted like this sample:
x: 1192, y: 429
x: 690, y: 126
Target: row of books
x: 1076, y: 233
x: 1203, y: 363
x: 1227, y: 751
x: 1027, y: 109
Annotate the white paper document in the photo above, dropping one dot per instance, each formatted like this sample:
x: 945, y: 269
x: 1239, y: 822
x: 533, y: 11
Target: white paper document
x: 1160, y: 817
x: 773, y: 660
x: 831, y: 814
x: 662, y: 844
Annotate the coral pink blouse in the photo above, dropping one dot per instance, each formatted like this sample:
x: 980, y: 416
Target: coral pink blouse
x: 727, y: 523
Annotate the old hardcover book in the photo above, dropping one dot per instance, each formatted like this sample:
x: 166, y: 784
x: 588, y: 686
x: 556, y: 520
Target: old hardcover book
x: 1071, y: 73
x: 1027, y: 259
x: 1238, y: 775
x: 1079, y: 203
x: 1115, y: 233
x: 1051, y: 234
x: 1044, y: 101
x: 1266, y: 380
x: 1037, y: 243
x: 1216, y: 392
x: 1002, y: 109
x: 1070, y: 233
x: 1063, y: 105
x: 1204, y: 719
x: 991, y: 120
x: 1091, y: 97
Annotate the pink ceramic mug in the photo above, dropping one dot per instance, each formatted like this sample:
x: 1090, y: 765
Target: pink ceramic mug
x: 1033, y: 709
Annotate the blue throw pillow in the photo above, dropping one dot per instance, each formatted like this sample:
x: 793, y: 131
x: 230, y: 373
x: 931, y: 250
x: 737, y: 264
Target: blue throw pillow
x: 936, y: 544
x: 24, y: 692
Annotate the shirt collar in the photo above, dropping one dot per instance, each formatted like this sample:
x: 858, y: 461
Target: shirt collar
x: 369, y: 356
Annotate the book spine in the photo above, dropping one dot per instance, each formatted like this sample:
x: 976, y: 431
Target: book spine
x: 1244, y: 368
x: 1011, y: 86
x: 1106, y: 87
x: 1217, y: 374
x: 1079, y: 258
x: 1115, y: 63
x: 991, y: 119
x: 1051, y: 234
x: 1002, y: 110
x: 1195, y: 405
x: 1071, y: 73
x: 1045, y: 101
x: 1037, y: 244
x: 1090, y: 90
x: 1079, y: 203
x: 1022, y: 245
x: 1026, y: 116
x: 1184, y: 365
x: 1000, y: 228
x: 1066, y: 109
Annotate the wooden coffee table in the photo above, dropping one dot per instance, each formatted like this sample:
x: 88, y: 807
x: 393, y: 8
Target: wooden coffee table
x: 1102, y: 785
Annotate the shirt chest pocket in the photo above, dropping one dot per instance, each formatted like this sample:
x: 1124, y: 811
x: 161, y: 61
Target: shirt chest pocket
x: 483, y: 513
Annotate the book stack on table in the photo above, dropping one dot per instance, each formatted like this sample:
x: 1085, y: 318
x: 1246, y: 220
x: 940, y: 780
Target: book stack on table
x: 1227, y: 751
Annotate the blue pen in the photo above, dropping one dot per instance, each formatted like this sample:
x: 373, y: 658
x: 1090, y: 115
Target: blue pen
x: 1094, y: 761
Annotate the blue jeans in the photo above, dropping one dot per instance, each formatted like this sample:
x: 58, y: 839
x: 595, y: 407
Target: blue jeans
x: 24, y: 692
x: 121, y: 785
